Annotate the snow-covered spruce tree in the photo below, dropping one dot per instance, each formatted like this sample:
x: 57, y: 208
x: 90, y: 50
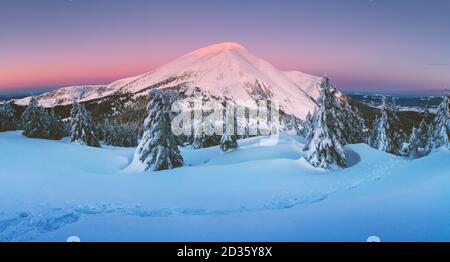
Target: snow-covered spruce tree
x: 382, y: 140
x: 35, y: 120
x: 418, y: 140
x: 119, y: 134
x: 158, y: 148
x: 388, y: 136
x: 440, y: 132
x: 325, y: 142
x: 8, y: 120
x: 81, y: 126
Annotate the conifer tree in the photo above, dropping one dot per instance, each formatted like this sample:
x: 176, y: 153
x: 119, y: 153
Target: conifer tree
x: 441, y: 126
x: 8, y: 120
x: 382, y: 140
x: 388, y: 136
x: 418, y: 141
x: 81, y: 126
x: 325, y: 142
x: 34, y: 120
x: 119, y: 134
x: 158, y: 148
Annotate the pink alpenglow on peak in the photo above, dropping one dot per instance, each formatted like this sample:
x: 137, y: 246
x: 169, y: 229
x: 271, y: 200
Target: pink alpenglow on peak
x: 225, y: 71
x: 217, y: 48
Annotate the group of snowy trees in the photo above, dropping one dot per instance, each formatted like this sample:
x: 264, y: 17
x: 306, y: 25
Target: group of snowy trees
x: 431, y: 135
x: 37, y: 122
x: 428, y: 136
x: 158, y: 148
x: 8, y: 120
x: 333, y: 125
x: 226, y: 141
x: 115, y: 133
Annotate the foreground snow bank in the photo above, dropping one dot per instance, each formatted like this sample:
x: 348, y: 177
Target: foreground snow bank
x: 50, y: 190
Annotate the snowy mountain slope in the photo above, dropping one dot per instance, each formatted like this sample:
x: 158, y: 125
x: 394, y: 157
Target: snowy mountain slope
x: 222, y: 71
x: 279, y: 197
x: 305, y: 81
x: 62, y: 96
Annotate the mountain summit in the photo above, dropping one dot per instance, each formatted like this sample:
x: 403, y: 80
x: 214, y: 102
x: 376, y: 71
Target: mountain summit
x: 224, y: 71
x: 218, y: 48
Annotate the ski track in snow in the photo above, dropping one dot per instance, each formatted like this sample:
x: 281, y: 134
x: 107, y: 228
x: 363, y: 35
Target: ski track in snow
x: 26, y: 226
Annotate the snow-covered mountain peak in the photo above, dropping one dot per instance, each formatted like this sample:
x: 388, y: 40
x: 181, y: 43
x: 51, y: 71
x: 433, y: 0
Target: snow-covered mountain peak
x: 225, y: 71
x: 217, y: 48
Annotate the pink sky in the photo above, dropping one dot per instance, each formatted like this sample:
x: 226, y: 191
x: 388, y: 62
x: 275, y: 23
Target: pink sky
x: 363, y: 45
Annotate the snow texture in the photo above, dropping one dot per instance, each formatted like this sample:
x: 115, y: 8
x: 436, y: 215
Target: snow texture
x: 50, y: 190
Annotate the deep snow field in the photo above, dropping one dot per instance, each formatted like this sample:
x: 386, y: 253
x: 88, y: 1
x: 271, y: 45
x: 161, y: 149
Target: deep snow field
x: 50, y: 190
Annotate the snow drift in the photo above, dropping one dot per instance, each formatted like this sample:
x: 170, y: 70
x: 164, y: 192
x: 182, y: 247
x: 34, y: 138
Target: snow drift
x: 50, y: 190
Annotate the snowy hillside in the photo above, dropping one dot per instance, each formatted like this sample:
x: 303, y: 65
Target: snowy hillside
x: 50, y: 190
x: 223, y: 71
x: 62, y: 96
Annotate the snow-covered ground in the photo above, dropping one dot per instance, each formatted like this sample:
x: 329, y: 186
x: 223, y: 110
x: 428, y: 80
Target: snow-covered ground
x: 50, y: 190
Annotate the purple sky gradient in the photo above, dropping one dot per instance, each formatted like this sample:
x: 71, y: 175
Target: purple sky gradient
x: 366, y: 45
